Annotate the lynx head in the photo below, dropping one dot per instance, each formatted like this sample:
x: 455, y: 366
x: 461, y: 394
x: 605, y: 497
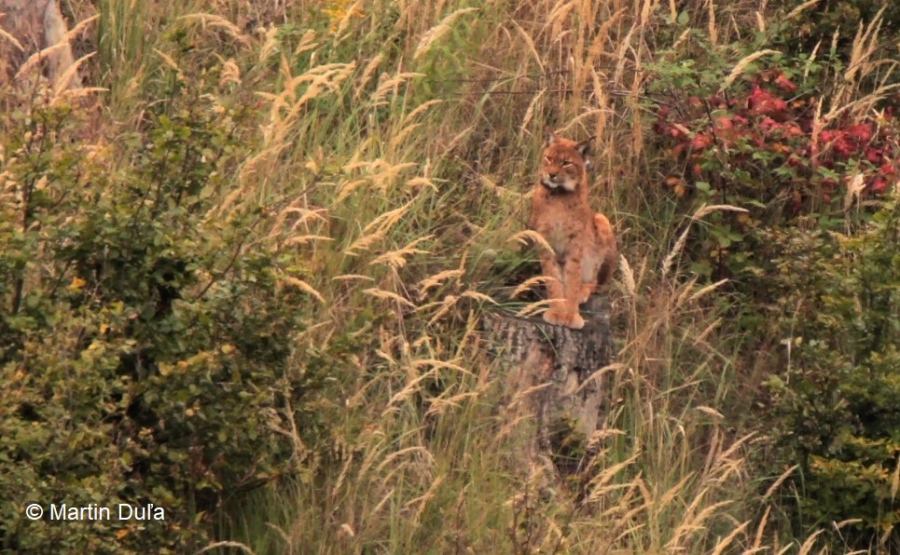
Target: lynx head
x: 564, y: 164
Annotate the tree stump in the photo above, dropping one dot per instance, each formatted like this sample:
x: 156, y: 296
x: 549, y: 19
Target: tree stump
x: 553, y: 373
x: 30, y: 28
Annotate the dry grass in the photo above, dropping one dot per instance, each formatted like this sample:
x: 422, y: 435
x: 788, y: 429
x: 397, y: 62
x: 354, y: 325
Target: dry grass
x: 435, y: 470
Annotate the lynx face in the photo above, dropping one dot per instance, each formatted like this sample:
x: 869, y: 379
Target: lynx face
x: 564, y: 163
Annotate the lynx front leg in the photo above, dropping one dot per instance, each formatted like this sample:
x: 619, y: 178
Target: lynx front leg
x: 572, y: 286
x: 587, y: 289
x: 555, y: 314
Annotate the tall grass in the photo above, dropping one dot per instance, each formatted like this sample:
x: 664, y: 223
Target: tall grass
x: 394, y: 153
x: 413, y: 163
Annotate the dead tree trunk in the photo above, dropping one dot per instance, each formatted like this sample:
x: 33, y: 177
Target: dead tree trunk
x: 553, y: 372
x: 35, y: 28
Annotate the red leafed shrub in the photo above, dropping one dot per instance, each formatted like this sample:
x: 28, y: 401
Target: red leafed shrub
x: 785, y: 84
x: 768, y: 145
x: 763, y: 144
x: 763, y: 102
x: 701, y: 141
x: 812, y: 259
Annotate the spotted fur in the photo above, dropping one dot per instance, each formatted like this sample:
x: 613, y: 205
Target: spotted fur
x: 584, y: 246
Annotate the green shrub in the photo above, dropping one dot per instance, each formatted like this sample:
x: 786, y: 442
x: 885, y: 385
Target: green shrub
x: 144, y: 345
x: 838, y: 405
x: 809, y: 151
x: 820, y: 22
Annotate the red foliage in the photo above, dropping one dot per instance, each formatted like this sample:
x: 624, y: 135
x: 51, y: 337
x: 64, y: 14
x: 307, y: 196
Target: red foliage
x: 879, y: 185
x: 860, y: 132
x: 769, y: 125
x: 765, y: 119
x: 848, y: 142
x: 762, y: 102
x: 875, y: 155
x: 677, y: 132
x: 701, y: 141
x: 785, y: 84
x: 792, y: 130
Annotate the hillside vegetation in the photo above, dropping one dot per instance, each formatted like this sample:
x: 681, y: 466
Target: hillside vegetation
x: 244, y: 275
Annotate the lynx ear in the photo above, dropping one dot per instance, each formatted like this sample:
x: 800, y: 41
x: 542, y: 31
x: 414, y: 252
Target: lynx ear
x: 549, y: 137
x: 584, y: 147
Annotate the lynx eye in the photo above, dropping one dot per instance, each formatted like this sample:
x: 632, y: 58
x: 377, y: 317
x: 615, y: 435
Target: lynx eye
x: 566, y: 164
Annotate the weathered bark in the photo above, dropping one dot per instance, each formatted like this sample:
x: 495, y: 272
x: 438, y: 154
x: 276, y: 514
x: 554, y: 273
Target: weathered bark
x: 34, y: 26
x: 553, y: 370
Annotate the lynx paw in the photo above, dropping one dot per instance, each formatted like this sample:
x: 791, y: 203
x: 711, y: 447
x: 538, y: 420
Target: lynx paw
x: 576, y: 322
x: 571, y: 320
x: 554, y: 317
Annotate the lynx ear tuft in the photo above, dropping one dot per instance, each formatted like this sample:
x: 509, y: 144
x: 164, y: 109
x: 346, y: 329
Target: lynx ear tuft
x: 549, y: 137
x: 584, y: 147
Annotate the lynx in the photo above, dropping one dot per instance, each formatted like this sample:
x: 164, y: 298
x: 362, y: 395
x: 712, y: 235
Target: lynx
x: 584, y: 247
